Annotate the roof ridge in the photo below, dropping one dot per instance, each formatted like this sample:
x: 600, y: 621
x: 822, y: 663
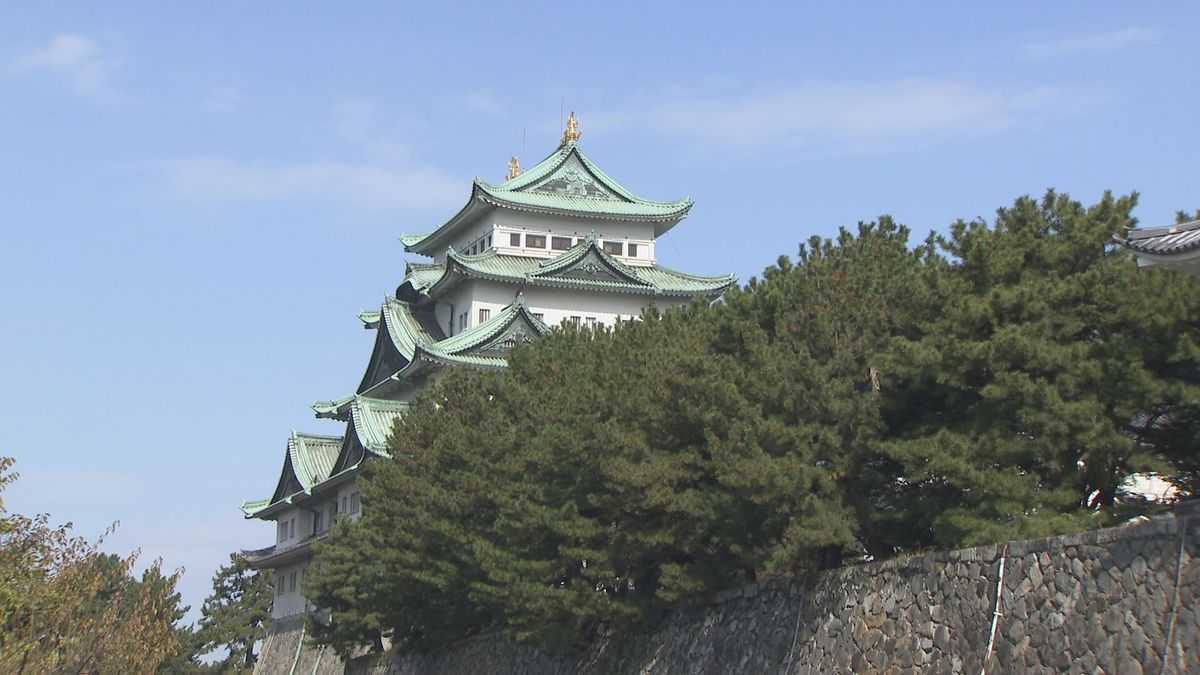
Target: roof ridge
x: 1161, y: 230
x: 697, y: 277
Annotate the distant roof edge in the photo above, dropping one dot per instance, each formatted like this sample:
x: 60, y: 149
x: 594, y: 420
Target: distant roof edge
x: 1174, y: 246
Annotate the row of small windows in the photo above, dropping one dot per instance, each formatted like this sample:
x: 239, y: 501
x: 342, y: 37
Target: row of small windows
x: 565, y: 243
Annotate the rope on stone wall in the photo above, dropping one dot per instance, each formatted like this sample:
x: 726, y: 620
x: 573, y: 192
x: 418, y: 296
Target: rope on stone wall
x: 799, y: 614
x: 995, y: 613
x: 1170, y: 646
x: 299, y: 646
x: 317, y: 663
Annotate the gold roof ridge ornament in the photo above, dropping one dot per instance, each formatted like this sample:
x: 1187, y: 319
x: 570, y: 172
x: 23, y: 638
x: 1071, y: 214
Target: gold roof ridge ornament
x: 572, y: 131
x: 514, y: 168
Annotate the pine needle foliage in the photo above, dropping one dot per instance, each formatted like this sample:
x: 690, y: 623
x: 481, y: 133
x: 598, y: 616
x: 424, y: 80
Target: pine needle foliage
x: 235, y: 616
x: 867, y: 398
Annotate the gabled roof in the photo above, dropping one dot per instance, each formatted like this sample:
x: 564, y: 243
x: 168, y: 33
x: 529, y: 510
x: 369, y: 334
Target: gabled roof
x: 401, y: 327
x: 486, y: 344
x: 309, y: 460
x: 369, y: 429
x: 409, y: 341
x: 565, y: 184
x: 584, y: 266
x: 312, y: 460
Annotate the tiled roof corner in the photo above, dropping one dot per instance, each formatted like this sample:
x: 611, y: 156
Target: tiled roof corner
x: 1169, y: 240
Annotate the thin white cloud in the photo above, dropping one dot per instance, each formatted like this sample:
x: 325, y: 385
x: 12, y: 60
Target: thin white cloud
x: 355, y: 119
x: 843, y: 115
x: 68, y: 493
x: 225, y: 99
x: 1094, y: 43
x: 361, y: 185
x: 380, y: 135
x: 483, y: 101
x: 77, y: 59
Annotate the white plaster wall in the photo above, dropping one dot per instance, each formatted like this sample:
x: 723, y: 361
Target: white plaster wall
x: 499, y: 223
x: 452, y: 304
x: 557, y: 304
x: 554, y: 304
x: 344, y: 492
x: 303, y: 528
x: 289, y: 603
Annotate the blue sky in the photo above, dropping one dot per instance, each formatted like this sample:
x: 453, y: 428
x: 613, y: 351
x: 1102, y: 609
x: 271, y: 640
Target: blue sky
x: 196, y: 200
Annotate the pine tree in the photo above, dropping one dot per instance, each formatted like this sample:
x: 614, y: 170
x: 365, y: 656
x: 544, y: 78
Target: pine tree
x: 1031, y: 393
x: 864, y: 399
x: 235, y: 617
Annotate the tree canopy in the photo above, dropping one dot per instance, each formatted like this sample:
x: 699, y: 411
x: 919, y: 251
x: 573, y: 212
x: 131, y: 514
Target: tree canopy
x: 864, y: 399
x: 235, y: 616
x: 67, y: 608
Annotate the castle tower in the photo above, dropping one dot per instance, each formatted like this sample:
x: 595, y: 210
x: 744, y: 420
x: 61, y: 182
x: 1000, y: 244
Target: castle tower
x: 559, y: 243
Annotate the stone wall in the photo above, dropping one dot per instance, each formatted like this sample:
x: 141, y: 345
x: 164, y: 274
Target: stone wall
x: 1116, y: 600
x: 284, y: 652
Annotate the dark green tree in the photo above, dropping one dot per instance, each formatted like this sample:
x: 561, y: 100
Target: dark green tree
x: 235, y: 617
x: 865, y: 398
x: 1036, y: 387
x: 812, y: 335
x: 346, y: 583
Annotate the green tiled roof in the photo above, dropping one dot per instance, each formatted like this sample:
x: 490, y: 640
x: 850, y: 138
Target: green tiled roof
x: 409, y: 327
x: 369, y: 427
x: 584, y: 266
x: 312, y: 459
x: 486, y: 344
x: 309, y: 460
x: 253, y: 506
x: 335, y: 409
x: 421, y: 275
x: 373, y: 419
x: 565, y: 183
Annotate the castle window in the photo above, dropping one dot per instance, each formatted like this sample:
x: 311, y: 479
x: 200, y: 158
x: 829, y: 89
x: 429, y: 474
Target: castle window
x: 318, y: 521
x: 484, y: 315
x: 489, y: 244
x: 282, y: 531
x: 291, y: 528
x: 343, y: 505
x: 292, y: 582
x: 560, y: 243
x: 354, y: 503
x: 575, y: 320
x: 514, y: 239
x: 614, y: 247
x: 535, y: 241
x: 633, y: 249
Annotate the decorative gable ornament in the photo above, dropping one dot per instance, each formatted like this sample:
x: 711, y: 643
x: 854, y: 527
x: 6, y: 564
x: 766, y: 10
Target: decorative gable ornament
x: 573, y: 180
